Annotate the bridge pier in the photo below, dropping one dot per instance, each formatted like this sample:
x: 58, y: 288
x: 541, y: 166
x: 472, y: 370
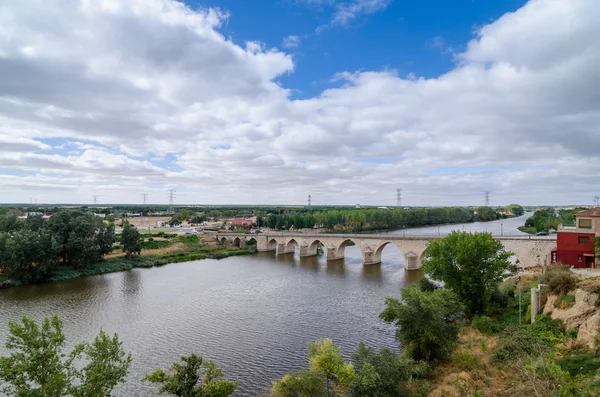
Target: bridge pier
x: 411, y: 261
x: 333, y: 254
x: 308, y: 250
x: 283, y: 248
x: 370, y: 257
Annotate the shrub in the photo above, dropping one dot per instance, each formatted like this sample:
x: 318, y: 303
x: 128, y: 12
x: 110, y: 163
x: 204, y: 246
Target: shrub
x: 561, y: 282
x: 580, y: 364
x: 485, y: 325
x: 428, y: 322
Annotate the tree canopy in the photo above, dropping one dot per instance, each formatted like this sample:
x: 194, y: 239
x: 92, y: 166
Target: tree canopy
x: 38, y: 366
x: 130, y: 240
x: 428, y: 322
x: 470, y: 264
x: 328, y: 374
x: 196, y: 377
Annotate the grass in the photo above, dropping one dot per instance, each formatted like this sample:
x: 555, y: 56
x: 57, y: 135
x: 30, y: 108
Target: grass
x: 565, y: 301
x: 525, y: 229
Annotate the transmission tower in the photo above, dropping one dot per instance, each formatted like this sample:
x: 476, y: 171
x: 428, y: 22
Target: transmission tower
x: 171, y: 198
x: 309, y: 200
x: 145, y: 197
x: 487, y: 199
x: 95, y: 199
x: 398, y: 197
x: 596, y: 200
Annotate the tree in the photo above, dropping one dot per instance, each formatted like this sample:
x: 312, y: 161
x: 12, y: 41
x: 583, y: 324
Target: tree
x: 470, y: 264
x: 37, y: 365
x: 428, y: 322
x: 328, y: 374
x: 382, y: 374
x: 197, y: 377
x: 130, y: 239
x: 596, y: 244
x: 107, y: 366
x: 515, y: 209
x: 486, y: 214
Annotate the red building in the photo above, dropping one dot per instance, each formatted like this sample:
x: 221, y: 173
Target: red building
x: 574, y: 248
x: 242, y: 222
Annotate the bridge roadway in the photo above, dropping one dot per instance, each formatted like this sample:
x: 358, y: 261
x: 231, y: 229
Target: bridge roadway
x: 530, y: 251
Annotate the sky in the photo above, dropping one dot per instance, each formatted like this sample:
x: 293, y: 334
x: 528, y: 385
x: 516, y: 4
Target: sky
x: 268, y: 101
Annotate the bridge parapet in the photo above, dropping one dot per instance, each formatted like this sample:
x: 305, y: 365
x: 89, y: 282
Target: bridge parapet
x: 529, y: 251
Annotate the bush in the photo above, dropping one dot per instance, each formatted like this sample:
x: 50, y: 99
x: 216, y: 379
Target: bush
x: 580, y: 364
x: 485, y: 325
x: 428, y: 322
x: 561, y: 282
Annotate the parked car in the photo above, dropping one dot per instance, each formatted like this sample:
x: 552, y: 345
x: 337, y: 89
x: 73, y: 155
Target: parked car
x: 542, y: 234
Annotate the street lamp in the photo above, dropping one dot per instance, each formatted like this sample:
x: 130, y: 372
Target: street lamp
x: 501, y: 229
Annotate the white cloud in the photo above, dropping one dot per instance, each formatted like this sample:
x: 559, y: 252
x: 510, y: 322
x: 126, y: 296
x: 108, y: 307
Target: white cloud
x: 291, y: 41
x: 348, y: 12
x: 134, y: 79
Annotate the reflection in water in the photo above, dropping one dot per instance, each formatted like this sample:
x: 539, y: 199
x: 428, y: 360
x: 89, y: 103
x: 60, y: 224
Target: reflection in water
x: 335, y: 267
x: 372, y: 272
x: 253, y: 315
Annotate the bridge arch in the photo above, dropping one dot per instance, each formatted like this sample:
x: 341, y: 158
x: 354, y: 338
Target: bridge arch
x: 223, y: 241
x: 237, y: 242
x: 310, y: 247
x: 338, y: 251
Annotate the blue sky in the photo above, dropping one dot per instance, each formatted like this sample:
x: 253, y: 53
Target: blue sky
x: 265, y: 102
x: 417, y: 37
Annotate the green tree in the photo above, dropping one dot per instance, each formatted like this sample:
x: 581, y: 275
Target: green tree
x: 428, y: 322
x: 328, y: 374
x: 596, y: 244
x: 184, y: 214
x: 37, y: 366
x: 486, y: 214
x: 197, y: 377
x: 382, y: 374
x: 515, y: 209
x: 130, y: 239
x: 30, y: 256
x: 107, y: 366
x: 470, y: 264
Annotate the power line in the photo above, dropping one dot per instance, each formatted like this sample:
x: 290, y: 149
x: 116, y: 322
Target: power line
x: 487, y: 199
x: 398, y: 197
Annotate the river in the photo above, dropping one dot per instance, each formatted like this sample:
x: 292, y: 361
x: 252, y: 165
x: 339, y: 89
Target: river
x: 253, y: 315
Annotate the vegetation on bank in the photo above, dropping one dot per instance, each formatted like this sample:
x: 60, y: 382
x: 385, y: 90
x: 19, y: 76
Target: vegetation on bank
x: 471, y: 337
x: 73, y: 244
x: 545, y: 219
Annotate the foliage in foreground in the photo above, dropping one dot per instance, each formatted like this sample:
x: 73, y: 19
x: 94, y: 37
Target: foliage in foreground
x: 195, y: 377
x: 328, y: 374
x: 37, y: 365
x: 470, y: 264
x: 428, y: 322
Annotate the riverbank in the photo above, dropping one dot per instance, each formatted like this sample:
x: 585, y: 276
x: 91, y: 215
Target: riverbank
x: 149, y: 258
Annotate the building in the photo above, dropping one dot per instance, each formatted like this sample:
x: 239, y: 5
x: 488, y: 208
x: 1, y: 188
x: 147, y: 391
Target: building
x: 239, y: 222
x: 575, y: 245
x: 589, y: 220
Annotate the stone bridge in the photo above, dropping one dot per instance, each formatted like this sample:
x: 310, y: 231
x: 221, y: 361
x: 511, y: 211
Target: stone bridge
x: 529, y: 251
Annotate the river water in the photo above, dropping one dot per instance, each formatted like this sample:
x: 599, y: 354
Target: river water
x: 253, y: 315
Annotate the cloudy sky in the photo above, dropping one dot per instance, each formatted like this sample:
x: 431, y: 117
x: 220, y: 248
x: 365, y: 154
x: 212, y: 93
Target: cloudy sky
x: 264, y: 102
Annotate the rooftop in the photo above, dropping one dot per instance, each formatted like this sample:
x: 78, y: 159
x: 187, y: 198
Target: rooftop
x: 593, y: 212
